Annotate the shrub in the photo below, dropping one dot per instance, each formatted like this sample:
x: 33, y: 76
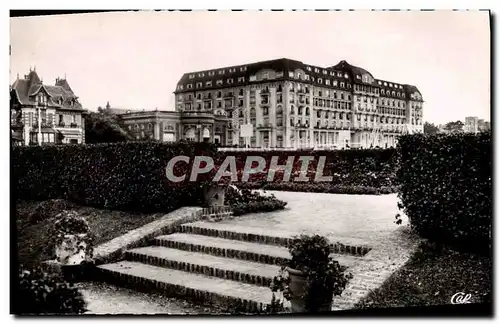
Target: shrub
x: 311, y: 255
x: 127, y: 176
x: 246, y: 201
x: 445, y: 189
x: 40, y: 292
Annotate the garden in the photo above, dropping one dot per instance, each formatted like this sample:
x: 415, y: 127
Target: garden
x: 443, y: 184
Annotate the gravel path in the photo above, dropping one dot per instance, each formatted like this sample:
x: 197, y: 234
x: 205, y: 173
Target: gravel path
x: 108, y: 299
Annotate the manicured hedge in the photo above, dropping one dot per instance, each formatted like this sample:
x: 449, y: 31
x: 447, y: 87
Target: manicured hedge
x: 374, y: 168
x: 446, y: 188
x: 127, y: 176
x: 318, y: 188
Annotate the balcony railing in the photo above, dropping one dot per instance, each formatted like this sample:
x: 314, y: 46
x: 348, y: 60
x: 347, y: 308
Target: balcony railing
x: 264, y: 126
x: 264, y: 91
x: 228, y: 95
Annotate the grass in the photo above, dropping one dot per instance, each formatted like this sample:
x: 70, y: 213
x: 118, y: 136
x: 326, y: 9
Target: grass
x: 431, y: 277
x: 105, y: 224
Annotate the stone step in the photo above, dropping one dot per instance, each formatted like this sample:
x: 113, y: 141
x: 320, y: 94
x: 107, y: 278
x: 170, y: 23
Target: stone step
x: 267, y: 254
x: 234, y: 295
x: 234, y: 249
x: 232, y: 269
x: 260, y: 235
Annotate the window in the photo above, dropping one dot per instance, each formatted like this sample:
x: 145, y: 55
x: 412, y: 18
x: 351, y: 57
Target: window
x: 219, y: 82
x: 325, y: 72
x: 320, y: 81
x: 241, y: 79
x: 180, y: 87
x: 346, y: 76
x: 230, y: 81
x: 190, y: 86
x: 341, y: 84
x: 191, y: 76
x: 221, y: 72
x: 243, y: 68
x: 382, y: 91
x: 290, y: 74
x: 385, y: 84
x: 339, y: 74
x: 332, y: 73
x: 253, y: 78
x: 201, y: 74
x: 316, y: 70
x: 306, y: 77
x: 327, y: 82
x: 335, y: 83
x: 211, y: 73
x: 308, y: 68
x: 265, y: 75
x: 209, y: 83
x: 199, y: 84
x: 232, y: 70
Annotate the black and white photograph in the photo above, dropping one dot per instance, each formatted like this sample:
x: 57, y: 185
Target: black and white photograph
x: 251, y: 162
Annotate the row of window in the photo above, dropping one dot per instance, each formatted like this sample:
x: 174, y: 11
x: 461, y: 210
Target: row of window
x: 326, y: 72
x: 220, y: 72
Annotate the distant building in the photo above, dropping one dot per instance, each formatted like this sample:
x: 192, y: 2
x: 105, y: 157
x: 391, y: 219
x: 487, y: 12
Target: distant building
x: 42, y: 113
x: 483, y: 125
x: 471, y: 125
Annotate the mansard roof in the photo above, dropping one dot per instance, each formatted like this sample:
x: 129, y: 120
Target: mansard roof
x: 343, y: 71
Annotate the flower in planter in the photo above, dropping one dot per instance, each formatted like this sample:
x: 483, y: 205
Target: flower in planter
x: 71, y: 237
x: 313, y: 276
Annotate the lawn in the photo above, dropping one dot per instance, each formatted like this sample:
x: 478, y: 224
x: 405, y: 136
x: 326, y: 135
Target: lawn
x: 33, y: 218
x: 431, y: 277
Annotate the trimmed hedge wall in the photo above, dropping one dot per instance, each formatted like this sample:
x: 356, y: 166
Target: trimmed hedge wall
x: 125, y: 176
x: 374, y: 168
x: 446, y: 188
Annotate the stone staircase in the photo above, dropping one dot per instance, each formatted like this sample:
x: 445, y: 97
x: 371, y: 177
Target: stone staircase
x: 213, y: 264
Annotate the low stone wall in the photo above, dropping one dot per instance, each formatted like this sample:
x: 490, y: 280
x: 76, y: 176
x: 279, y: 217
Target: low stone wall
x: 114, y: 249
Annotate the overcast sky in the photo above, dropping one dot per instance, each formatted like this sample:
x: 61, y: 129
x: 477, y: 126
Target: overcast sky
x: 134, y: 60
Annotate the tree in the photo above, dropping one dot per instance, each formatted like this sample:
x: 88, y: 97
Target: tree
x: 430, y: 128
x: 454, y: 127
x: 104, y: 127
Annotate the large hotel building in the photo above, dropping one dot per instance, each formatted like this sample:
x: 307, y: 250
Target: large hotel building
x: 289, y: 105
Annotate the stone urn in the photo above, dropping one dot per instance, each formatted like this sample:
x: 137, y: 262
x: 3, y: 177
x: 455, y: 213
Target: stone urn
x: 72, y: 250
x: 214, y: 194
x: 299, y: 294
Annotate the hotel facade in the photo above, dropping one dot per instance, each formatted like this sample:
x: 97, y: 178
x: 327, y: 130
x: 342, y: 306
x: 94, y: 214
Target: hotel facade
x: 289, y: 104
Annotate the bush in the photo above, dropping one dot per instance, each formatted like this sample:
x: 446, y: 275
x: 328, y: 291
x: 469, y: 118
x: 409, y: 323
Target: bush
x: 125, y: 176
x: 446, y: 188
x: 246, y: 201
x: 40, y: 292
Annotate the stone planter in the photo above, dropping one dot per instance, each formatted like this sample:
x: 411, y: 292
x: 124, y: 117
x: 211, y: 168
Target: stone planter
x: 68, y: 253
x: 298, y: 293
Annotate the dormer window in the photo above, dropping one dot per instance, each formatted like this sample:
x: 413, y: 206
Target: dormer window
x: 219, y: 82
x: 209, y: 83
x: 327, y: 82
x: 320, y: 81
x: 385, y: 84
x: 316, y: 70
x: 230, y: 81
x: 232, y: 70
x: 339, y: 74
x: 308, y: 68
x: 265, y: 75
x: 199, y: 84
x: 211, y: 73
x: 241, y: 79
x: 290, y: 74
x: 335, y: 83
x: 332, y: 73
x: 243, y: 69
x: 190, y: 86
x: 201, y: 74
x: 221, y: 72
x: 346, y: 76
x: 191, y: 76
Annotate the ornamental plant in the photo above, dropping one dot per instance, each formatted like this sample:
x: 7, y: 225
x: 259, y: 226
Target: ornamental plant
x: 70, y: 223
x: 41, y: 292
x: 324, y: 275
